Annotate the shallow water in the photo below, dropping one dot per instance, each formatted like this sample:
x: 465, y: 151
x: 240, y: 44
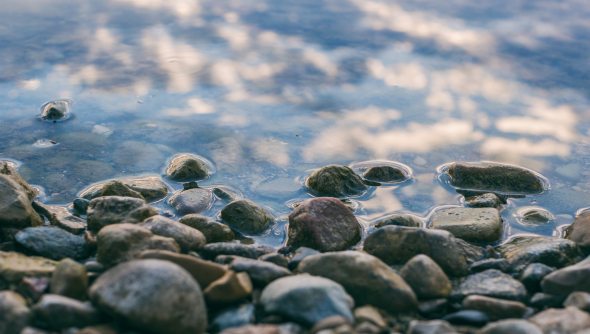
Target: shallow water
x: 268, y: 90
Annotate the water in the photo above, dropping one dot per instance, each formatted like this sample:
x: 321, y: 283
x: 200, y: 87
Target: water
x: 269, y: 90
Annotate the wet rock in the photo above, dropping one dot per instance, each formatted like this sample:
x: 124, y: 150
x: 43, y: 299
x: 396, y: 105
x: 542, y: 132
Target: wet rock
x: 510, y: 326
x: 213, y: 231
x: 261, y: 272
x: 491, y: 283
x: 263, y: 329
x: 533, y: 216
x: 495, y: 308
x: 366, y: 278
x: 334, y: 324
x: 299, y: 255
x: 186, y: 167
x: 396, y: 245
x: 335, y: 181
x: 306, y: 299
x: 123, y: 242
x: 400, y: 219
x: 471, y: 224
x: 61, y: 217
x: 69, y: 279
x: 323, y: 223
x: 236, y: 316
x: 204, y: 272
x: 369, y: 314
x: 495, y: 177
x: 564, y: 321
x: 229, y: 288
x: 15, y: 266
x: 434, y: 308
x: 151, y: 188
x: 80, y: 205
x: 246, y: 216
x: 578, y: 299
x: 522, y: 250
x: 467, y: 318
x: 193, y: 200
x: 485, y: 264
x: 117, y: 188
x: 487, y: 200
x: 426, y: 278
x: 14, y: 313
x: 276, y: 258
x: 544, y: 300
x: 187, y: 237
x: 108, y: 210
x: 386, y: 173
x: 567, y: 280
x: 52, y: 242
x: 15, y: 205
x: 56, y: 312
x: 431, y: 327
x: 579, y: 230
x: 152, y: 295
x: 533, y: 274
x: 98, y: 329
x: 8, y: 169
x: 212, y: 250
x: 57, y: 110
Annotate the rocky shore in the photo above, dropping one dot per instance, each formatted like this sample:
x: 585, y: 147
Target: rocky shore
x: 113, y: 263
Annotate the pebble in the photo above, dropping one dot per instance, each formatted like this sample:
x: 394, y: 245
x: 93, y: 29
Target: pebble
x: 16, y: 209
x: 335, y: 181
x: 53, y: 243
x: 467, y: 318
x: 212, y: 230
x: 542, y: 300
x: 109, y: 210
x: 299, y: 255
x: 487, y: 200
x: 533, y: 216
x: 369, y: 314
x: 579, y: 230
x: 187, y: 167
x: 578, y: 299
x: 495, y: 308
x: 491, y: 283
x: 61, y: 217
x: 386, y: 173
x: 151, y: 188
x: 430, y: 327
x: 426, y: 278
x: 485, y: 264
x: 533, y: 274
x: 511, y: 326
x: 229, y: 288
x: 212, y: 250
x: 569, y: 279
x: 55, y: 312
x: 275, y: 258
x: 193, y: 200
x: 399, y: 219
x: 15, y: 266
x: 564, y: 321
x: 246, y: 216
x: 14, y: 313
x: 522, y: 250
x: 236, y: 316
x: 188, y: 238
x: 57, y: 110
x: 261, y: 272
x: 471, y: 224
x: 69, y: 279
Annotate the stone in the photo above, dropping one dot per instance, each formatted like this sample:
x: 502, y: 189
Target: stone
x: 108, y: 210
x: 275, y: 258
x: 8, y: 169
x: 578, y: 299
x: 212, y: 230
x: 235, y: 316
x: 151, y: 188
x: 522, y: 250
x: 335, y: 181
x: 563, y: 321
x: 152, y: 295
x: 14, y: 313
x: 193, y: 200
x: 212, y: 250
x: 53, y: 243
x: 533, y: 216
x: 98, y: 329
x: 69, y: 279
x: 396, y: 245
x: 80, y: 206
x: 57, y: 110
x: 579, y: 230
x: 471, y: 224
x: 334, y: 324
x: 15, y: 266
x: 55, y: 312
x: 491, y: 283
x: 426, y: 278
x: 544, y: 300
x: 117, y: 188
x: 204, y: 272
x: 495, y: 308
x: 32, y: 288
x: 485, y: 264
x: 564, y: 281
x: 369, y: 314
x: 61, y: 217
x: 434, y: 308
x: 533, y: 274
x: 16, y: 209
x: 261, y: 273
x: 430, y: 327
x: 188, y: 238
x: 323, y: 223
x: 124, y: 242
x: 229, y: 288
x: 510, y: 326
x: 487, y: 200
x: 187, y: 167
x: 467, y: 318
x: 386, y: 173
x: 306, y: 299
x: 366, y: 278
x: 299, y: 255
x: 400, y: 219
x: 261, y: 329
x: 246, y: 216
x: 495, y: 177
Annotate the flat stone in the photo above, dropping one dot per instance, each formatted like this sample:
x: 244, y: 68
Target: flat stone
x: 366, y: 278
x: 15, y: 266
x: 396, y: 245
x: 400, y: 219
x: 335, y: 181
x: 55, y: 312
x: 426, y: 278
x: 564, y: 281
x: 61, y: 217
x: 229, y: 288
x: 511, y: 326
x: 187, y: 167
x: 246, y: 216
x: 109, y: 210
x: 16, y: 209
x: 495, y: 308
x: 69, y: 279
x: 14, y: 313
x: 188, y: 238
x: 491, y: 283
x: 52, y: 242
x: 212, y: 250
x: 563, y: 321
x: 578, y: 299
x: 579, y: 230
x: 299, y: 255
x: 431, y: 327
x: 152, y: 295
x: 487, y: 200
x: 522, y: 250
x: 261, y: 272
x: 213, y: 231
x: 471, y: 224
x: 193, y: 200
x: 151, y: 188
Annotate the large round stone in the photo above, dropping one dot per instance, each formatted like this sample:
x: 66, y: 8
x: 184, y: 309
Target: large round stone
x: 192, y: 200
x: 246, y: 216
x: 188, y: 238
x: 186, y: 167
x: 154, y: 296
x: 426, y: 278
x: 336, y: 181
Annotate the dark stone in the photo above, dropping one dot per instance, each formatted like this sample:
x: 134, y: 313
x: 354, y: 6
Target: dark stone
x: 212, y: 250
x: 299, y: 255
x: 61, y: 217
x: 108, y: 210
x: 487, y: 200
x: 235, y: 316
x: 335, y: 181
x: 213, y: 231
x: 386, y: 174
x: 14, y: 313
x: 52, y: 242
x: 276, y: 258
x: 188, y: 238
x: 434, y: 308
x: 426, y: 278
x: 191, y: 201
x: 400, y: 219
x: 533, y: 274
x: 261, y: 272
x: 491, y: 283
x: 80, y: 206
x: 57, y: 110
x: 186, y: 167
x: 543, y: 300
x: 56, y: 312
x: 579, y: 230
x: 522, y: 250
x: 510, y: 326
x: 431, y: 327
x: 569, y: 279
x: 485, y: 264
x: 151, y: 188
x: 467, y: 318
x: 69, y: 279
x: 495, y: 308
x: 246, y: 216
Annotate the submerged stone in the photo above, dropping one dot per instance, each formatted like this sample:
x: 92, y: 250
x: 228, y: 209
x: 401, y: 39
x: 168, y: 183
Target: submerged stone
x: 386, y: 173
x: 522, y: 250
x: 471, y: 224
x: 246, y: 216
x: 193, y: 200
x: 400, y: 219
x: 187, y: 167
x: 57, y: 110
x: 336, y: 181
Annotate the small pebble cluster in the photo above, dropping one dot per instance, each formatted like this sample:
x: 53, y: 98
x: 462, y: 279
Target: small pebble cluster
x: 112, y: 263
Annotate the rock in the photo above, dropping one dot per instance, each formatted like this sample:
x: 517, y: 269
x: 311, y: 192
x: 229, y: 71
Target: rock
x: 123, y: 242
x: 335, y: 181
x: 117, y: 188
x: 80, y: 205
x: 14, y: 313
x: 236, y: 316
x: 533, y: 216
x: 32, y: 288
x: 193, y: 200
x: 323, y: 223
x: 204, y: 272
x: 263, y: 329
x: 487, y: 200
x: 213, y: 231
x: 522, y: 250
x: 275, y: 258
x: 485, y: 264
x: 471, y: 224
x: 495, y: 177
x: 306, y: 299
x: 495, y: 308
x: 431, y: 327
x: 334, y: 324
x: 369, y: 314
x: 57, y: 110
x: 491, y: 283
x: 467, y: 318
x: 8, y: 169
x: 579, y: 230
x: 15, y: 205
x: 400, y: 219
x: 98, y: 329
x: 543, y: 300
x: 533, y: 274
x: 187, y: 167
x: 55, y: 312
x: 299, y: 255
x: 510, y: 326
x: 366, y: 278
x: 152, y: 295
x: 69, y: 279
x: 261, y: 273
x: 579, y: 299
x: 229, y: 288
x: 386, y: 173
x: 396, y: 245
x: 564, y: 281
x: 434, y: 308
x: 564, y: 321
x: 187, y: 237
x: 52, y: 242
x: 61, y: 217
x: 212, y: 250
x: 151, y: 188
x: 246, y: 216
x: 15, y: 266
x: 108, y: 210
x: 426, y: 278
